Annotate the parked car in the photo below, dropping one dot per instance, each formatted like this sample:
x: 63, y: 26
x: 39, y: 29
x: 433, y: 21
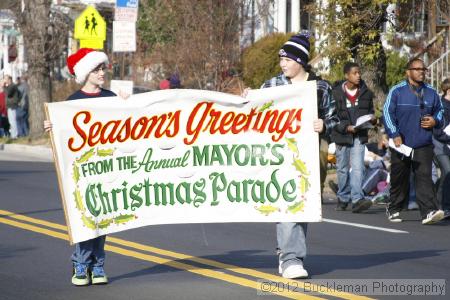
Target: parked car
x: 141, y: 89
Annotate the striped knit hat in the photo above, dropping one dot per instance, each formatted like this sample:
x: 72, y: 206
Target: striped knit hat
x: 297, y: 48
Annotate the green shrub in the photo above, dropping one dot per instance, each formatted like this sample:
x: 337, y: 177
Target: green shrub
x: 260, y: 61
x: 395, y: 68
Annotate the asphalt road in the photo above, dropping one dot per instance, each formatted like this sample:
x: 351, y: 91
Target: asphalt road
x: 203, y: 261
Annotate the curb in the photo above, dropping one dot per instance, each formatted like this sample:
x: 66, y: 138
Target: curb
x: 39, y: 152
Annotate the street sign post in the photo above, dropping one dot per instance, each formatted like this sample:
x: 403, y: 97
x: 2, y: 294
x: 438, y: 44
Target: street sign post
x: 125, y: 14
x: 124, y: 36
x: 127, y: 3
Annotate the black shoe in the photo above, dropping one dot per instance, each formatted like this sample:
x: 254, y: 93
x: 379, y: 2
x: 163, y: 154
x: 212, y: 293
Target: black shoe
x: 361, y: 205
x: 333, y: 186
x: 341, y: 205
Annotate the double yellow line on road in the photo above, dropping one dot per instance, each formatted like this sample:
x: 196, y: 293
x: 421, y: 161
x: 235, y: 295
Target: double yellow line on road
x: 10, y: 218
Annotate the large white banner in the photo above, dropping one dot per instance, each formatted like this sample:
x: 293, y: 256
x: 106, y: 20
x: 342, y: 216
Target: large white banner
x: 187, y: 156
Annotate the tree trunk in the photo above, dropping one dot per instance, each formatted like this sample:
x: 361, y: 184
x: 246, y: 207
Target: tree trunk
x: 34, y: 22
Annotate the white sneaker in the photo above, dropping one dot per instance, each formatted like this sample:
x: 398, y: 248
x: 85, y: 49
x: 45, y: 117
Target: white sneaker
x: 433, y: 217
x: 395, y: 217
x: 293, y: 271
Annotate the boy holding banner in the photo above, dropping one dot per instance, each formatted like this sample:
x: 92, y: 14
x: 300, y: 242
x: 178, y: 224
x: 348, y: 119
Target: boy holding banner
x: 88, y: 66
x: 294, y: 56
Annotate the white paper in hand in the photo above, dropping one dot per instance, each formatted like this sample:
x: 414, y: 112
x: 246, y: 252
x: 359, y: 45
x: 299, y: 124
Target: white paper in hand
x: 447, y: 130
x: 363, y: 122
x: 403, y: 149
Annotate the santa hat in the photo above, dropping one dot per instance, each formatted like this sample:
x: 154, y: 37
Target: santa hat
x: 84, y: 61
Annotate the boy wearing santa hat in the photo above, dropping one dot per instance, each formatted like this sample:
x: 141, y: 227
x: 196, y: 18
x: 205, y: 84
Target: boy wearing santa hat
x: 88, y: 67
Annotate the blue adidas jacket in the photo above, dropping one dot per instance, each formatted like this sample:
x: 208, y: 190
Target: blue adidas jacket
x: 402, y: 114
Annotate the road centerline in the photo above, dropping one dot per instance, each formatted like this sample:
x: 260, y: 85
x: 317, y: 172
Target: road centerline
x: 176, y: 255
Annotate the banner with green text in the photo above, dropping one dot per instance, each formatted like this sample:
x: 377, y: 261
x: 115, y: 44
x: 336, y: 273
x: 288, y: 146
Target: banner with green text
x: 187, y: 156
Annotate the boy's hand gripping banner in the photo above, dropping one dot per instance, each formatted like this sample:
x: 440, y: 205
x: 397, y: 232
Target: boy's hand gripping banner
x: 187, y: 156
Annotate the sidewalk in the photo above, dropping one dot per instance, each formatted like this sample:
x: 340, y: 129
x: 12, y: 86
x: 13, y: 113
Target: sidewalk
x: 19, y: 152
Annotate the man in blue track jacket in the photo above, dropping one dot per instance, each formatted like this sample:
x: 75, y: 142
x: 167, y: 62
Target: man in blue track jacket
x: 412, y: 109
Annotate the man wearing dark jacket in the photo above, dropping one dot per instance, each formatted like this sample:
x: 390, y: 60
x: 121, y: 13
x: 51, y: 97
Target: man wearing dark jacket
x: 12, y: 103
x: 411, y: 110
x: 441, y: 142
x: 353, y: 100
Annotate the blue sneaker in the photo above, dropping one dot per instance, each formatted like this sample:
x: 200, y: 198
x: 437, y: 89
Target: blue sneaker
x: 80, y: 275
x: 98, y: 276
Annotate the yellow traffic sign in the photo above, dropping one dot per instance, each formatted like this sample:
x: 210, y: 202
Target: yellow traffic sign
x: 91, y: 43
x: 90, y: 25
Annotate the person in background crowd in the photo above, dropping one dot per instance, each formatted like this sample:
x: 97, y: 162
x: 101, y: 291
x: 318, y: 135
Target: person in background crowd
x: 22, y: 109
x: 411, y: 110
x: 3, y: 113
x: 12, y: 103
x: 441, y: 141
x: 88, y: 66
x: 294, y: 56
x: 175, y: 82
x: 353, y: 100
x: 164, y: 84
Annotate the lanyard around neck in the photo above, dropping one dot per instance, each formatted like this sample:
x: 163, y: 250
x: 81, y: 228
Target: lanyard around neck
x: 418, y: 95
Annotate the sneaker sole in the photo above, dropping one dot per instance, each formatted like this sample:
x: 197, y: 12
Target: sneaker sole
x: 99, y: 281
x: 80, y: 282
x: 362, y: 208
x: 395, y: 220
x: 436, y: 218
x: 295, y: 276
x: 290, y: 276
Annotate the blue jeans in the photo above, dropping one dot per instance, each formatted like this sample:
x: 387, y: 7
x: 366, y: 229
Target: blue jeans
x: 350, y: 183
x: 22, y: 122
x: 291, y: 239
x: 90, y: 253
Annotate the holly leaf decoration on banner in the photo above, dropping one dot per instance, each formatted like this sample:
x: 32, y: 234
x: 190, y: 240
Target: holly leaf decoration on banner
x: 296, y: 207
x: 124, y: 218
x: 267, y: 209
x: 86, y: 156
x: 266, y: 106
x: 104, y: 223
x: 88, y: 222
x: 76, y: 173
x: 304, y: 184
x: 300, y: 166
x: 292, y: 144
x: 105, y: 152
x: 79, y: 200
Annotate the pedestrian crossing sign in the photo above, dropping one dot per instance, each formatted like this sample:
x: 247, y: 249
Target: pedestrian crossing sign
x: 90, y: 25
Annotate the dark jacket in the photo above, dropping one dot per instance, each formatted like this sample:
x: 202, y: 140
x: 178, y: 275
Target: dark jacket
x: 12, y: 96
x: 363, y: 107
x: 325, y: 102
x: 402, y: 112
x: 440, y: 139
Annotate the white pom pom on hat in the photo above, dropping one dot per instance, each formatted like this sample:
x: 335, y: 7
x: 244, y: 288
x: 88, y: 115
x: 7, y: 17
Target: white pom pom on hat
x: 84, y: 61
